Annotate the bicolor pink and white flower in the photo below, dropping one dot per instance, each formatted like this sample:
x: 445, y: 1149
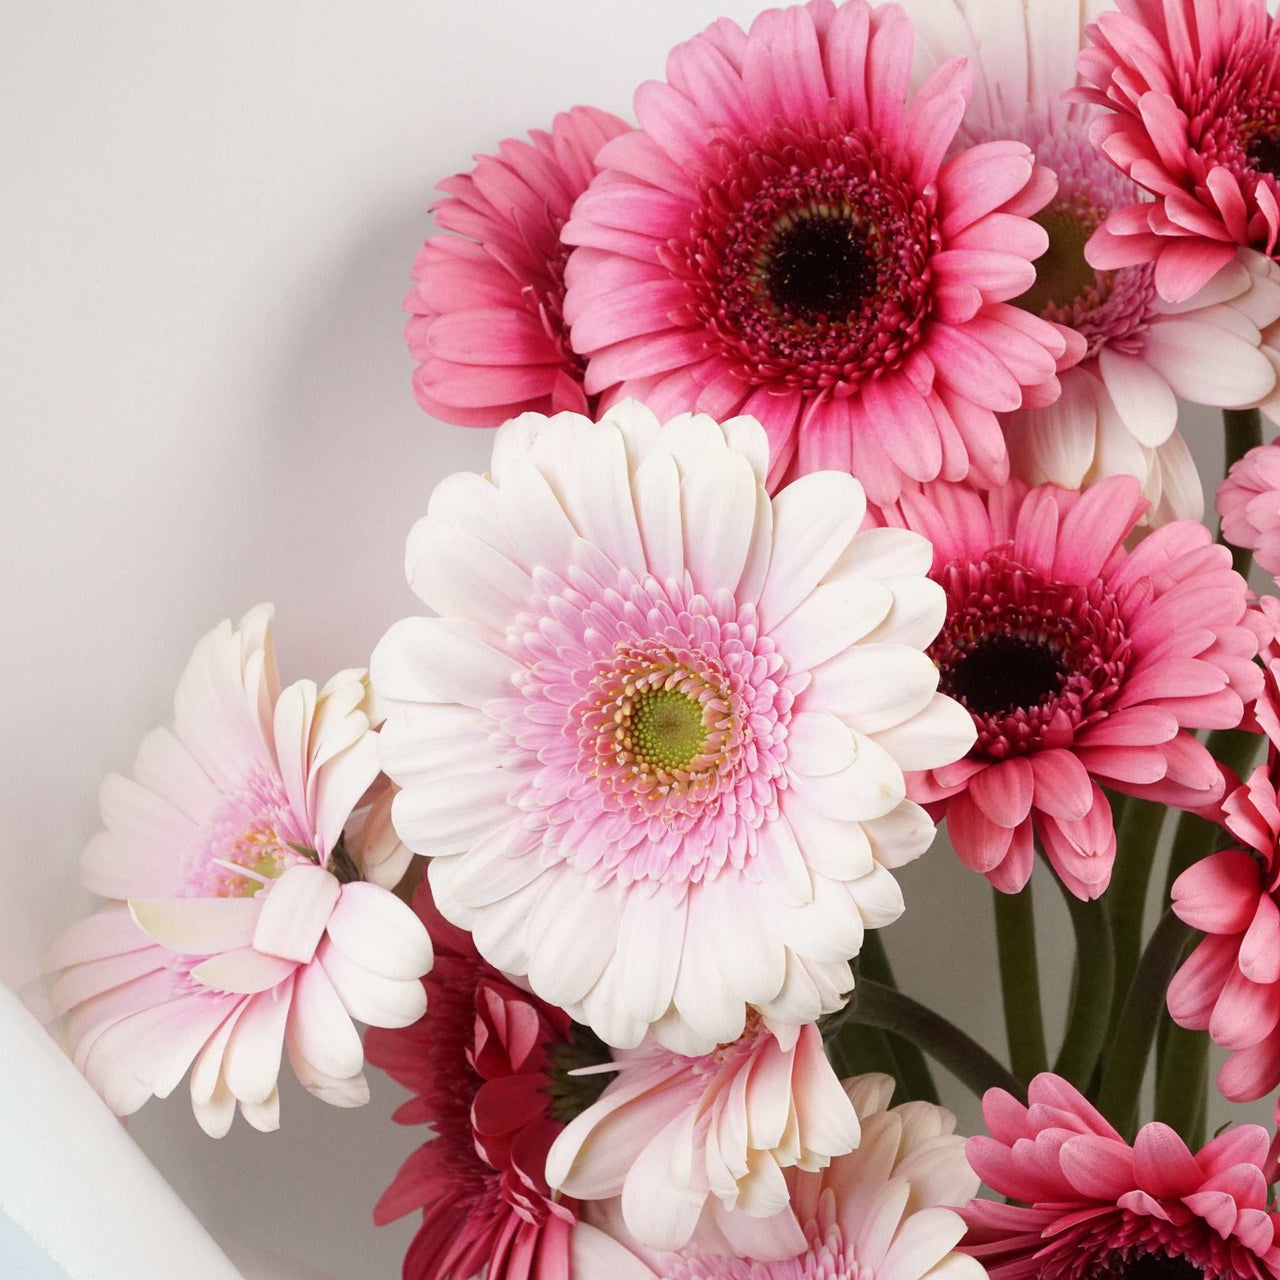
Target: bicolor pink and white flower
x: 1249, y: 504
x: 1084, y: 665
x: 487, y: 325
x: 486, y: 1066
x: 883, y: 1212
x: 1118, y: 410
x: 1191, y: 101
x: 785, y: 237
x: 238, y: 926
x: 680, y: 1139
x: 654, y: 743
x: 1088, y: 1204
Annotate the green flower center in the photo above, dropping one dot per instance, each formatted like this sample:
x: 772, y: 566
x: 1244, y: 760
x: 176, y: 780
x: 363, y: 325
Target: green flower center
x: 666, y: 729
x: 571, y: 1095
x: 1062, y: 274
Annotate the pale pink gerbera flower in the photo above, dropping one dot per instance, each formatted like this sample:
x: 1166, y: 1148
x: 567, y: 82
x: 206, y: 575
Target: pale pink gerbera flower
x: 1083, y: 665
x: 487, y: 326
x: 240, y: 925
x: 883, y: 1212
x: 1192, y: 99
x: 654, y: 743
x: 679, y: 1138
x: 1090, y: 1205
x: 1118, y: 410
x: 783, y: 238
x: 488, y: 1067
x: 1249, y: 504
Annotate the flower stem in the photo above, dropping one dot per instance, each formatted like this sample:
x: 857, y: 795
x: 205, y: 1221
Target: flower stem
x: 1182, y: 1081
x: 1091, y: 993
x: 1020, y: 982
x: 875, y: 1005
x: 1126, y: 1061
x: 1136, y: 839
x: 912, y: 1071
x: 1241, y: 431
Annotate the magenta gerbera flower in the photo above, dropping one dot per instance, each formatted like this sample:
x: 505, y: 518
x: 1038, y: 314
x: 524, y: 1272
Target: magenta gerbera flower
x: 783, y: 238
x: 1081, y: 663
x: 486, y: 326
x: 484, y: 1069
x: 1090, y: 1205
x: 1249, y: 504
x: 1192, y: 92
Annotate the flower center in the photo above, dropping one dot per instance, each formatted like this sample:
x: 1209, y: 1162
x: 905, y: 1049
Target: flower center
x: 570, y: 1095
x: 1032, y: 659
x: 818, y: 266
x: 1004, y: 672
x: 663, y: 729
x: 808, y: 260
x: 1156, y: 1266
x: 1263, y: 151
x: 1063, y: 277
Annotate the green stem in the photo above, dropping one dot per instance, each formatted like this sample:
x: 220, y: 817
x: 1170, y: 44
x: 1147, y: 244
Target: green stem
x: 1241, y: 431
x: 1136, y: 839
x: 875, y: 1005
x: 1182, y: 1082
x: 1020, y: 982
x: 1091, y: 992
x: 912, y: 1070
x: 1126, y: 1063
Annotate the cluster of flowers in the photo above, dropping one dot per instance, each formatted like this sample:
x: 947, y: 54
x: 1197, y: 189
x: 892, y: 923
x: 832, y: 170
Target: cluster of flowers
x: 837, y: 491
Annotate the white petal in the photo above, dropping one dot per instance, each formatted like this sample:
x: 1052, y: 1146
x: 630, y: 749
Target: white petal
x: 657, y: 499
x: 1204, y: 363
x: 659, y: 1212
x: 650, y: 944
x: 320, y: 1027
x: 458, y: 575
x: 369, y: 997
x: 918, y: 612
x: 837, y: 848
x: 448, y: 814
x: 835, y: 616
x: 251, y: 1064
x: 940, y: 734
x: 718, y: 509
x: 199, y: 926
x: 873, y: 686
x: 439, y: 660
x: 379, y: 932
x: 597, y: 497
x: 1143, y: 399
x: 884, y: 554
x: 901, y: 836
x: 879, y: 897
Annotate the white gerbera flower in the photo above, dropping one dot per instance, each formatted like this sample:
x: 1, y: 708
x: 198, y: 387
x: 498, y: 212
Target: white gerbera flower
x: 654, y: 742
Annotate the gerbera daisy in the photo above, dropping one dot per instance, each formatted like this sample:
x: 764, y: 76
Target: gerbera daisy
x: 783, y: 238
x: 654, y: 743
x: 1249, y: 504
x: 1118, y: 410
x: 240, y: 925
x: 1192, y: 115
x: 1082, y: 664
x: 488, y: 1067
x: 882, y: 1212
x: 1090, y: 1205
x: 671, y: 1133
x: 487, y: 326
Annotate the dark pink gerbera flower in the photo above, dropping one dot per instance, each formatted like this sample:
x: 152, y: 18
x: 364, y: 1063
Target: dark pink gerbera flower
x: 485, y: 1070
x: 1192, y: 91
x: 487, y: 326
x: 1083, y: 665
x: 1091, y: 1207
x: 783, y: 237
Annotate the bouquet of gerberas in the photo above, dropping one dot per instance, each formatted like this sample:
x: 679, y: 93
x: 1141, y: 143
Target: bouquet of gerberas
x: 837, y: 491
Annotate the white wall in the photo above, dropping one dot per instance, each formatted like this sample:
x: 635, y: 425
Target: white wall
x: 209, y: 219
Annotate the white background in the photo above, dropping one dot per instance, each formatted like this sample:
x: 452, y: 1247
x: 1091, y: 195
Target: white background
x: 210, y: 214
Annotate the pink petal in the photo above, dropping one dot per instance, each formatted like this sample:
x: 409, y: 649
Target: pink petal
x: 295, y: 913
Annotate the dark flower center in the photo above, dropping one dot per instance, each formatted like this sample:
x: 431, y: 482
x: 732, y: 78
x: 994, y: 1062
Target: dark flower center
x: 1002, y: 673
x: 571, y: 1095
x: 1062, y: 274
x: 1155, y: 1266
x: 819, y: 267
x: 1263, y: 152
x: 1033, y: 660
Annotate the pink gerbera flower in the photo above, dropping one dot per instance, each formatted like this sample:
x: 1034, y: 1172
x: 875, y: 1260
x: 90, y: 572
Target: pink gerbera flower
x: 654, y: 742
x: 1249, y: 504
x: 487, y: 326
x: 671, y: 1134
x: 783, y: 238
x: 1192, y: 99
x: 1118, y: 410
x: 883, y: 1212
x: 241, y: 925
x: 1081, y: 663
x: 488, y: 1070
x: 1089, y: 1205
